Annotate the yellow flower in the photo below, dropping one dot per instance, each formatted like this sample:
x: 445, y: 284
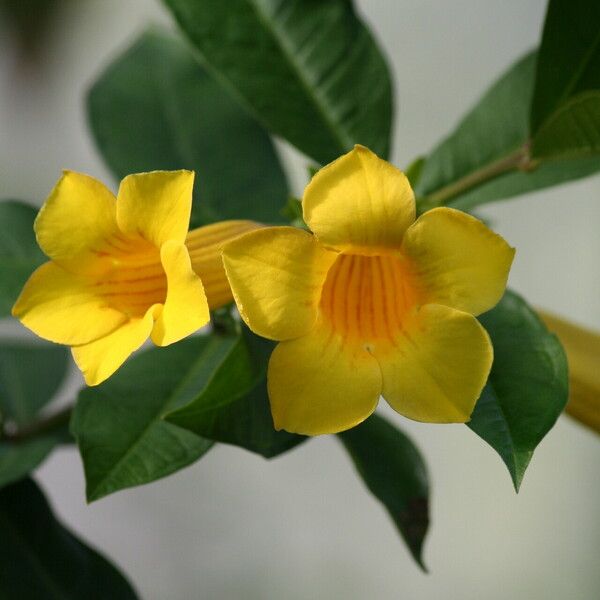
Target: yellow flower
x: 120, y: 269
x: 374, y: 303
x: 582, y: 347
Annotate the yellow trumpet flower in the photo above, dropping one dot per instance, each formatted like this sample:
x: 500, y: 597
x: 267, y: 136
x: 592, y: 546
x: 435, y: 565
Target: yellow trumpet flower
x: 583, y: 355
x: 122, y: 269
x: 374, y: 303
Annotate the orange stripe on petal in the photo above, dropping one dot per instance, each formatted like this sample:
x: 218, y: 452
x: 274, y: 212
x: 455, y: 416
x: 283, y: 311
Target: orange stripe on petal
x: 365, y: 298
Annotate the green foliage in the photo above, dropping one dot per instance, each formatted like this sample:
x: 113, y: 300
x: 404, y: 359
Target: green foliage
x: 22, y: 396
x: 528, y: 386
x: 394, y: 471
x: 19, y: 252
x: 234, y: 407
x: 309, y: 70
x: 494, y: 130
x: 565, y: 111
x: 18, y: 458
x: 414, y: 170
x: 569, y: 57
x: 118, y: 426
x: 156, y: 108
x: 573, y: 130
x: 292, y: 211
x: 39, y: 558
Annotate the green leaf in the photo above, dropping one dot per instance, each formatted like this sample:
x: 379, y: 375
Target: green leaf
x: 527, y: 388
x: 573, y: 130
x: 569, y: 57
x: 565, y: 110
x: 18, y: 459
x: 414, y: 170
x: 19, y: 252
x: 156, y: 108
x: 39, y: 558
x: 395, y: 473
x: 495, y: 128
x: 118, y: 426
x: 292, y: 211
x: 233, y: 408
x: 309, y: 70
x: 30, y: 375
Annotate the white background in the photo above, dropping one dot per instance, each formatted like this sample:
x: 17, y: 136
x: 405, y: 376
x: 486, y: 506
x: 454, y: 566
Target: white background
x: 302, y: 526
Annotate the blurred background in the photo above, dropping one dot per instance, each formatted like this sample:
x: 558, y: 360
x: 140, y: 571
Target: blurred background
x: 235, y: 526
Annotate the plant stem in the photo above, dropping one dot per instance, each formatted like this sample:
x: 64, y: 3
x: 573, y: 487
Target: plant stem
x: 519, y: 159
x: 38, y: 428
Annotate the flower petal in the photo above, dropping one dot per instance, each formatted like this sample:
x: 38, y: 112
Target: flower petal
x: 359, y: 202
x: 77, y: 220
x: 205, y: 246
x: 436, y: 367
x: 583, y: 349
x: 59, y: 307
x: 185, y: 309
x: 318, y: 384
x: 100, y: 359
x: 156, y: 205
x: 457, y: 260
x: 276, y: 275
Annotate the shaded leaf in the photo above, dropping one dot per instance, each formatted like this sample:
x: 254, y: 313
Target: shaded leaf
x: 527, y: 388
x: 395, y: 473
x: 495, y: 127
x: 310, y: 70
x: 573, y: 130
x: 414, y: 170
x: 19, y: 252
x: 39, y: 558
x: 569, y: 57
x: 18, y: 459
x: 233, y: 408
x: 118, y: 426
x: 156, y: 108
x: 30, y: 375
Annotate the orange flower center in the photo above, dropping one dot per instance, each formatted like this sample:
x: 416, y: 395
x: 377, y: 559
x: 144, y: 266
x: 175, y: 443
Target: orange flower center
x: 365, y: 298
x: 131, y: 277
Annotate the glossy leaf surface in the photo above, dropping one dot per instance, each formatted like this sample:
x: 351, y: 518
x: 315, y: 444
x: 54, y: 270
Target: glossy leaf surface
x: 155, y: 107
x: 569, y: 57
x: 528, y: 386
x: 395, y: 473
x: 309, y: 70
x: 234, y: 408
x: 495, y: 127
x: 118, y: 425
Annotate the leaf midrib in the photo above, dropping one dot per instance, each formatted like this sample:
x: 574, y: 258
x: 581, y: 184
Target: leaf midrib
x: 339, y: 135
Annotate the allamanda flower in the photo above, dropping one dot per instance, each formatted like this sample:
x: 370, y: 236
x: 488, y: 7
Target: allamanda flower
x: 123, y: 269
x: 374, y: 303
